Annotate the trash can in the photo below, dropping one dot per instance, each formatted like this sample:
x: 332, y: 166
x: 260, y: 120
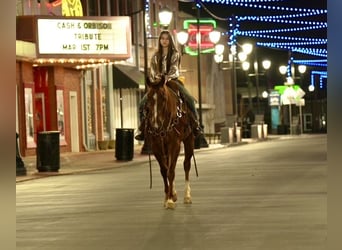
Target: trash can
x: 48, y: 156
x: 124, y: 144
x: 231, y: 135
x: 265, y: 131
x: 224, y: 135
x: 282, y: 129
x: 256, y: 131
x: 238, y: 134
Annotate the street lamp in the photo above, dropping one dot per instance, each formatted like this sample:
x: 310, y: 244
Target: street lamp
x: 165, y: 17
x: 182, y: 38
x: 245, y: 67
x: 311, y: 88
x: 266, y: 64
x: 241, y: 56
x: 301, y: 69
x: 292, y: 95
x: 282, y: 69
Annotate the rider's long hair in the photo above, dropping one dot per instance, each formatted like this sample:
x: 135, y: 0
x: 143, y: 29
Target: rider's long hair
x: 171, y: 49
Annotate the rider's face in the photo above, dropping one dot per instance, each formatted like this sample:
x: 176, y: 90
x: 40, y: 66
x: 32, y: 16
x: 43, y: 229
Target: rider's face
x: 164, y: 40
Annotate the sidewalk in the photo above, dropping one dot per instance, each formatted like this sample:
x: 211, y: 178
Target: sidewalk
x: 73, y: 163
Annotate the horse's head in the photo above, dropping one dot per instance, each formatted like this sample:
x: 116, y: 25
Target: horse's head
x: 161, y: 103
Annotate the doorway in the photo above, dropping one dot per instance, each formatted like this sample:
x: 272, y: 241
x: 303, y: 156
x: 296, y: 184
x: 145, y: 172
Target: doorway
x: 74, y: 136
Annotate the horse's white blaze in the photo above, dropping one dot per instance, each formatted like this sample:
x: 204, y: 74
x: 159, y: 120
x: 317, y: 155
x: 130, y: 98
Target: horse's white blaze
x: 155, y: 97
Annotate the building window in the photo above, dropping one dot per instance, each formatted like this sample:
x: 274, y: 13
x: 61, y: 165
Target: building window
x: 89, y: 106
x: 105, y: 102
x: 29, y: 118
x: 89, y: 109
x: 60, y: 113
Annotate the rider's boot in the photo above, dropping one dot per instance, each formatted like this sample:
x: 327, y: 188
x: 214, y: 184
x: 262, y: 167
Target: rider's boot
x: 196, y: 127
x: 141, y: 135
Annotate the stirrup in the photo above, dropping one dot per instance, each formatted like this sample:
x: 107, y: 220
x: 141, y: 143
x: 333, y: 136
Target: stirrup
x: 140, y: 137
x: 197, y: 131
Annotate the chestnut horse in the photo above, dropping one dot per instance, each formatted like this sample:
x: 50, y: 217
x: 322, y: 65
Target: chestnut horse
x: 167, y: 125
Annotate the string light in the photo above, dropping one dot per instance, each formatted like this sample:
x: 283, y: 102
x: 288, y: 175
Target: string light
x: 279, y: 20
x: 295, y: 29
x: 314, y: 63
x: 250, y: 4
x: 291, y: 44
x: 147, y: 18
x: 321, y: 74
x: 293, y: 19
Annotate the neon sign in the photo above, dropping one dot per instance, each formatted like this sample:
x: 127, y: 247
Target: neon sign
x: 205, y: 27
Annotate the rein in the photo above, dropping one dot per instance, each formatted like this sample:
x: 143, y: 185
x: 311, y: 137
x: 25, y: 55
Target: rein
x: 162, y: 130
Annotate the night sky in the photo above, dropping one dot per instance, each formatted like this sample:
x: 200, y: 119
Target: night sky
x: 277, y: 56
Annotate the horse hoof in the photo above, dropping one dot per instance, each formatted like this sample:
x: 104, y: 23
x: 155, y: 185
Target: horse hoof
x: 187, y: 200
x: 170, y: 204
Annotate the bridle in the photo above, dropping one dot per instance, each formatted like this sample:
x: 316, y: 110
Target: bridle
x: 164, y: 129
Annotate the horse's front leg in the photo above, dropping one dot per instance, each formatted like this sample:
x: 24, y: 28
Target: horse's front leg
x: 188, y: 154
x: 171, y: 194
x: 163, y: 172
x: 172, y: 162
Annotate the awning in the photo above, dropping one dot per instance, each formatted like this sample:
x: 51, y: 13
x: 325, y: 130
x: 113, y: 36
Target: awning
x: 125, y: 76
x: 25, y: 50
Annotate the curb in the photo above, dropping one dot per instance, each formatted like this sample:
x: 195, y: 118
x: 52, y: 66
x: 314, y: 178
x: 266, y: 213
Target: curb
x: 117, y: 164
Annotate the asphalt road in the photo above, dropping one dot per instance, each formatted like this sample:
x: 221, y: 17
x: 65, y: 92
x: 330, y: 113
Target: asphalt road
x: 267, y: 196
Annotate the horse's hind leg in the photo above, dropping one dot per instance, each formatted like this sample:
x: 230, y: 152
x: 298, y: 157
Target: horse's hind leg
x: 188, y: 153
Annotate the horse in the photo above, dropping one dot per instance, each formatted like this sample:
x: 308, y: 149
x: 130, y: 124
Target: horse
x: 167, y: 125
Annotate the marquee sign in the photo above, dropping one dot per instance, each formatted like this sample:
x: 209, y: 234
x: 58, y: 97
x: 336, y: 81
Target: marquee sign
x: 108, y: 37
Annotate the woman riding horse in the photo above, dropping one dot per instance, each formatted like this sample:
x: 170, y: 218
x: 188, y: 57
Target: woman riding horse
x: 165, y: 62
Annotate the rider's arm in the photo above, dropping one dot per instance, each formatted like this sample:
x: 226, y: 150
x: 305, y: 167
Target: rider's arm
x: 154, y: 75
x: 174, y: 67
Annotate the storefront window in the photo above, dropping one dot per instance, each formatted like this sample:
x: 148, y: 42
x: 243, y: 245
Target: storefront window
x: 60, y: 113
x: 104, y: 101
x: 104, y: 110
x: 29, y: 118
x: 88, y: 103
x: 89, y: 109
